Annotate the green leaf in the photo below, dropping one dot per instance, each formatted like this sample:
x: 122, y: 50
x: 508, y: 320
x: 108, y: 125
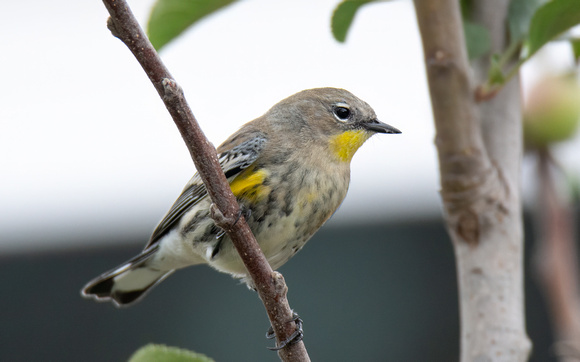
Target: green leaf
x: 495, y: 75
x: 477, y: 39
x: 161, y: 353
x: 520, y: 13
x: 169, y: 18
x: 343, y: 16
x: 551, y: 20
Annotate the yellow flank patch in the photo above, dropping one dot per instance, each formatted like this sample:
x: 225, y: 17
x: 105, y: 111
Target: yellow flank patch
x: 249, y: 185
x: 345, y: 144
x: 311, y: 197
x: 305, y: 198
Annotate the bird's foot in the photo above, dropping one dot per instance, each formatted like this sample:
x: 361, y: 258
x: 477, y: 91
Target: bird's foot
x: 295, y: 337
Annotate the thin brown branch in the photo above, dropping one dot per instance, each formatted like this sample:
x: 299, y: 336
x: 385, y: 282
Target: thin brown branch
x: 269, y: 284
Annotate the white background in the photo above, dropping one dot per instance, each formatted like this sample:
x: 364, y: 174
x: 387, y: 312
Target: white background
x: 88, y: 151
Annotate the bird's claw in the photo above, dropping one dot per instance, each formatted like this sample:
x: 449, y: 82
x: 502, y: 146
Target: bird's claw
x: 244, y: 211
x: 295, y: 337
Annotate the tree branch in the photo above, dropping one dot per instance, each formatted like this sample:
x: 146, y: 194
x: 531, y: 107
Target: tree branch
x: 269, y: 284
x: 479, y: 155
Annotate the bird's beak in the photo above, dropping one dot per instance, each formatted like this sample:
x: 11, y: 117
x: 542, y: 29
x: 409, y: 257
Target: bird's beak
x: 379, y: 127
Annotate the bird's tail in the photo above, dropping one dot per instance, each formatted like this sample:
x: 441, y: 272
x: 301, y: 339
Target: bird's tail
x: 127, y: 283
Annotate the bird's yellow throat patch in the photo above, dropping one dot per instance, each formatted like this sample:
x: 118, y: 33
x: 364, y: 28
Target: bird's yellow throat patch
x: 346, y: 144
x: 249, y: 185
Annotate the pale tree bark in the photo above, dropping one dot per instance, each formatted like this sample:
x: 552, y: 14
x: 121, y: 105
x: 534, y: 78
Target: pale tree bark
x: 480, y: 149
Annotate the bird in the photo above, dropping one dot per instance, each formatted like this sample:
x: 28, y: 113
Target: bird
x: 289, y: 171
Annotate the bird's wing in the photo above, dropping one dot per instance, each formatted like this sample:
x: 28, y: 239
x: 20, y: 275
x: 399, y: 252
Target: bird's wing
x: 235, y: 155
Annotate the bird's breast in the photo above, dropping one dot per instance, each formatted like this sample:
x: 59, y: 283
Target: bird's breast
x: 286, y: 205
x: 303, y: 201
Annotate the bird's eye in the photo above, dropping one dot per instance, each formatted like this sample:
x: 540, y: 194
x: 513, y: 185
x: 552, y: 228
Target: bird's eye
x: 342, y: 113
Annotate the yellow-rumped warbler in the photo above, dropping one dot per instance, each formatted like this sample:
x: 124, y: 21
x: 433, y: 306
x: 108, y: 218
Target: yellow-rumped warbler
x: 289, y: 169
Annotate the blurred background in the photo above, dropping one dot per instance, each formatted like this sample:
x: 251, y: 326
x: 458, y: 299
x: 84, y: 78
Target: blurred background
x: 90, y: 161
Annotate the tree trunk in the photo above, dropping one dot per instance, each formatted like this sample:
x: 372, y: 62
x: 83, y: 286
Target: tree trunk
x: 480, y: 149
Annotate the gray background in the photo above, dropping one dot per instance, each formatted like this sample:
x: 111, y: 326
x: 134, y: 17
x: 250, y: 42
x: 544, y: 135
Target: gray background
x: 366, y: 293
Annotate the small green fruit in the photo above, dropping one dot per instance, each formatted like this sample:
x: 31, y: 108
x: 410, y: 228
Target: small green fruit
x: 552, y: 113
